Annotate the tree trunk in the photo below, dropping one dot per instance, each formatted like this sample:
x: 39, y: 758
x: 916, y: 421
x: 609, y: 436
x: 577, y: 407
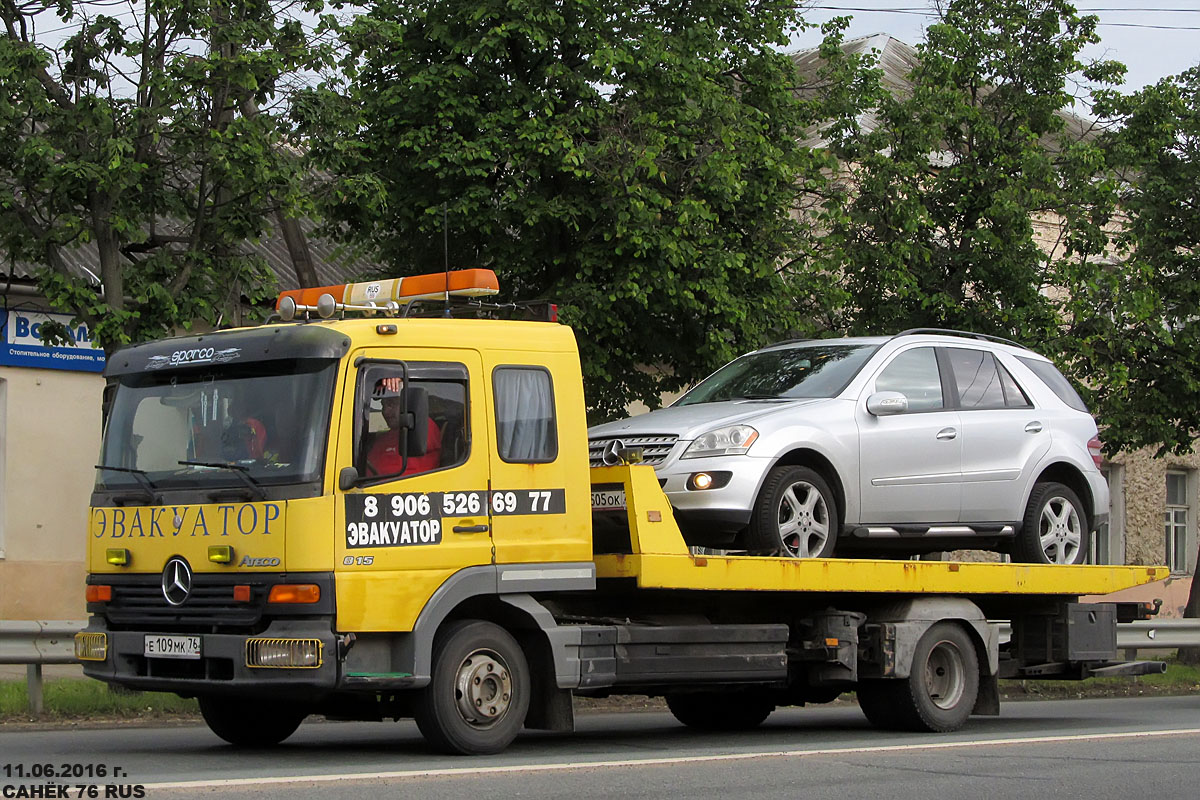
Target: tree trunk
x: 297, y: 245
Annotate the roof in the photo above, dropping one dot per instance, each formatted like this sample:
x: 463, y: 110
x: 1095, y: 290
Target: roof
x: 896, y: 60
x: 334, y: 263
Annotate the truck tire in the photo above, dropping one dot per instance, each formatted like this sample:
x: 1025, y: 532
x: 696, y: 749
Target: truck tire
x: 795, y: 515
x: 1055, y: 527
x: 477, y: 699
x: 939, y: 693
x: 720, y: 711
x: 250, y: 723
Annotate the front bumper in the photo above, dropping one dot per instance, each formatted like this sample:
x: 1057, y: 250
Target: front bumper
x: 222, y: 667
x: 714, y: 513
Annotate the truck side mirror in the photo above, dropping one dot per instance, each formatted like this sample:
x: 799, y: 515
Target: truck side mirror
x: 416, y: 421
x: 883, y: 404
x: 347, y: 478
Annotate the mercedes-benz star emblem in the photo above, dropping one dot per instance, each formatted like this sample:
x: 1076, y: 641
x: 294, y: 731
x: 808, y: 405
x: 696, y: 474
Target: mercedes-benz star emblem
x: 176, y: 581
x: 611, y: 455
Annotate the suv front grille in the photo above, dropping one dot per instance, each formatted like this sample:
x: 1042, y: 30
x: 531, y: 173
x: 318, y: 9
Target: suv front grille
x: 655, y: 447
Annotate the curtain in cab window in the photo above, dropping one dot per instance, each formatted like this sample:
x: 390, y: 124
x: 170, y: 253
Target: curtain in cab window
x: 525, y: 424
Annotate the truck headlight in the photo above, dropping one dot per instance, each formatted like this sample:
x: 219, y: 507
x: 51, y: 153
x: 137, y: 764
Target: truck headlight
x: 728, y: 441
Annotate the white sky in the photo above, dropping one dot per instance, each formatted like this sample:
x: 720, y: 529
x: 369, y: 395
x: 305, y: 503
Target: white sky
x: 1153, y: 38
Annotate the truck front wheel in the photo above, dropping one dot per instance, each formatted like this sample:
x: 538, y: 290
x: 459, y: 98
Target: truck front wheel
x: 939, y: 693
x: 477, y: 699
x: 250, y: 723
x: 720, y: 711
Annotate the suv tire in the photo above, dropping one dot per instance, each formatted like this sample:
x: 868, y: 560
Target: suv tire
x: 1055, y: 528
x: 795, y: 515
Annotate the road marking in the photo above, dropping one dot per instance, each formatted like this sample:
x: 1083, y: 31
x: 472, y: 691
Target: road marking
x: 650, y: 762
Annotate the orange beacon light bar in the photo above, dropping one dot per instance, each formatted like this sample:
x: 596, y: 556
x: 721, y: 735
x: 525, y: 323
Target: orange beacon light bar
x: 377, y: 295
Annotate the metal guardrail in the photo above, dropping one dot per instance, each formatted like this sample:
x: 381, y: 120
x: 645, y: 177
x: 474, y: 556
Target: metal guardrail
x: 1159, y: 634
x: 38, y: 642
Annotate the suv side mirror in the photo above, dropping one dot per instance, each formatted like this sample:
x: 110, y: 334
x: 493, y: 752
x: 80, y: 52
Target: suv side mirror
x: 883, y: 404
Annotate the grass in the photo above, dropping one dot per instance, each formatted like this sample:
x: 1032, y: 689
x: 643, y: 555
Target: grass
x: 84, y: 700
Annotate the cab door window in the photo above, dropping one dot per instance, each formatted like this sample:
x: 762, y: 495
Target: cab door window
x: 392, y: 398
x: 526, y: 430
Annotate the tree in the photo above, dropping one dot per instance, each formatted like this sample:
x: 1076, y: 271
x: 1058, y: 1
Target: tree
x: 635, y: 161
x: 947, y: 192
x: 141, y: 137
x: 1141, y: 313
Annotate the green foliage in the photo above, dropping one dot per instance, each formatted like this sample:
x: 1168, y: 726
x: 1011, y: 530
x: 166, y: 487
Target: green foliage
x: 142, y: 139
x: 635, y: 162
x: 948, y: 191
x: 1137, y: 334
x: 72, y: 698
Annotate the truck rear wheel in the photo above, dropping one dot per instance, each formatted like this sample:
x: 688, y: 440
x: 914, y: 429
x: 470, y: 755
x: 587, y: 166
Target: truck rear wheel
x: 720, y: 711
x: 250, y: 723
x: 939, y: 693
x: 477, y: 699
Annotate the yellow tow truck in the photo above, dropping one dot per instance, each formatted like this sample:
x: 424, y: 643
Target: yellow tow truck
x: 380, y: 506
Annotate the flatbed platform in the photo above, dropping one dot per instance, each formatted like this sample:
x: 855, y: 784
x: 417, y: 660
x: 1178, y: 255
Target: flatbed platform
x: 660, y: 559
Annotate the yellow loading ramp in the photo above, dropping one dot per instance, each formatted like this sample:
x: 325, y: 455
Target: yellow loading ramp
x: 661, y: 560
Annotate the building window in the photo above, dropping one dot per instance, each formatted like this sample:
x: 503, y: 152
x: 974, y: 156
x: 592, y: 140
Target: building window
x: 1178, y: 520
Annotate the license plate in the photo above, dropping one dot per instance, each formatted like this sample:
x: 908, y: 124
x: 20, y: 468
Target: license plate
x: 607, y: 500
x: 172, y: 646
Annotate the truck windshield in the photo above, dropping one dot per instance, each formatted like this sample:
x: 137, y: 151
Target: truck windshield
x: 805, y: 371
x: 266, y: 420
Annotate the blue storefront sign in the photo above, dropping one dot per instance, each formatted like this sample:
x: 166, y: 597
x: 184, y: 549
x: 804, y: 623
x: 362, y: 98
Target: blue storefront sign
x: 23, y: 346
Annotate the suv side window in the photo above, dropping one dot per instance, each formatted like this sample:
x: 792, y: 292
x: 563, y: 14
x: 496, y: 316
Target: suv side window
x: 914, y: 374
x: 1055, y: 380
x: 976, y: 377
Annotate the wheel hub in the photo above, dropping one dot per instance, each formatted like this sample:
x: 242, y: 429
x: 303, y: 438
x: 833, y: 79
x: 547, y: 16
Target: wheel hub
x: 483, y: 688
x: 945, y: 678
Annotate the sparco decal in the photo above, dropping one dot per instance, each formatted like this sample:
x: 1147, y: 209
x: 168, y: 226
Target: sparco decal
x: 195, y: 355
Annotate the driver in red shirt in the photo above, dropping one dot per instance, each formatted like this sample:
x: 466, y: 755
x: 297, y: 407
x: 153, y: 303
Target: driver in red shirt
x: 384, y: 457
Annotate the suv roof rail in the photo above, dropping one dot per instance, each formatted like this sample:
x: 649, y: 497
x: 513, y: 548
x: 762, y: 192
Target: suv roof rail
x: 967, y: 334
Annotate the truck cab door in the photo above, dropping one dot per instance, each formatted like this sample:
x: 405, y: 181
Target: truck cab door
x: 540, y: 494
x: 402, y: 533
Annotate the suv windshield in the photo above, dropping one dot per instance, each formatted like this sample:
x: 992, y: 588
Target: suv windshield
x: 265, y: 420
x: 813, y: 370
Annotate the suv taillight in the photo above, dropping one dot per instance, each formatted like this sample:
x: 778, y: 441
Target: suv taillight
x: 1094, y: 447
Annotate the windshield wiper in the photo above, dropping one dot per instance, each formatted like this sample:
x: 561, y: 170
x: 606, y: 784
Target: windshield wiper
x: 150, y: 490
x: 237, y: 469
x: 761, y: 397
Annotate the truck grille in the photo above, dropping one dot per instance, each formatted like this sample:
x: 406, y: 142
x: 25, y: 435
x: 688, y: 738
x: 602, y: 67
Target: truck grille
x: 211, y: 603
x: 655, y: 447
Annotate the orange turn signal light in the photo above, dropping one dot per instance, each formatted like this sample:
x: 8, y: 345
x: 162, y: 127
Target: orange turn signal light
x: 295, y: 593
x: 241, y: 593
x: 99, y: 594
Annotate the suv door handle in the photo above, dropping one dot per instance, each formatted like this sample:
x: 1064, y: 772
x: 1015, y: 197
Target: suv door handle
x: 946, y: 434
x: 470, y: 528
x: 1034, y: 427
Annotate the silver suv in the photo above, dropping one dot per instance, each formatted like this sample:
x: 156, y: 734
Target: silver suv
x: 924, y: 441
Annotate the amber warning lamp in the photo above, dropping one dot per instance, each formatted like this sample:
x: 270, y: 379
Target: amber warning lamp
x: 386, y: 296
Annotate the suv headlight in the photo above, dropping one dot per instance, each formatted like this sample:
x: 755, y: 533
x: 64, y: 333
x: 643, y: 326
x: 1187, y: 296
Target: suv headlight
x: 729, y: 441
